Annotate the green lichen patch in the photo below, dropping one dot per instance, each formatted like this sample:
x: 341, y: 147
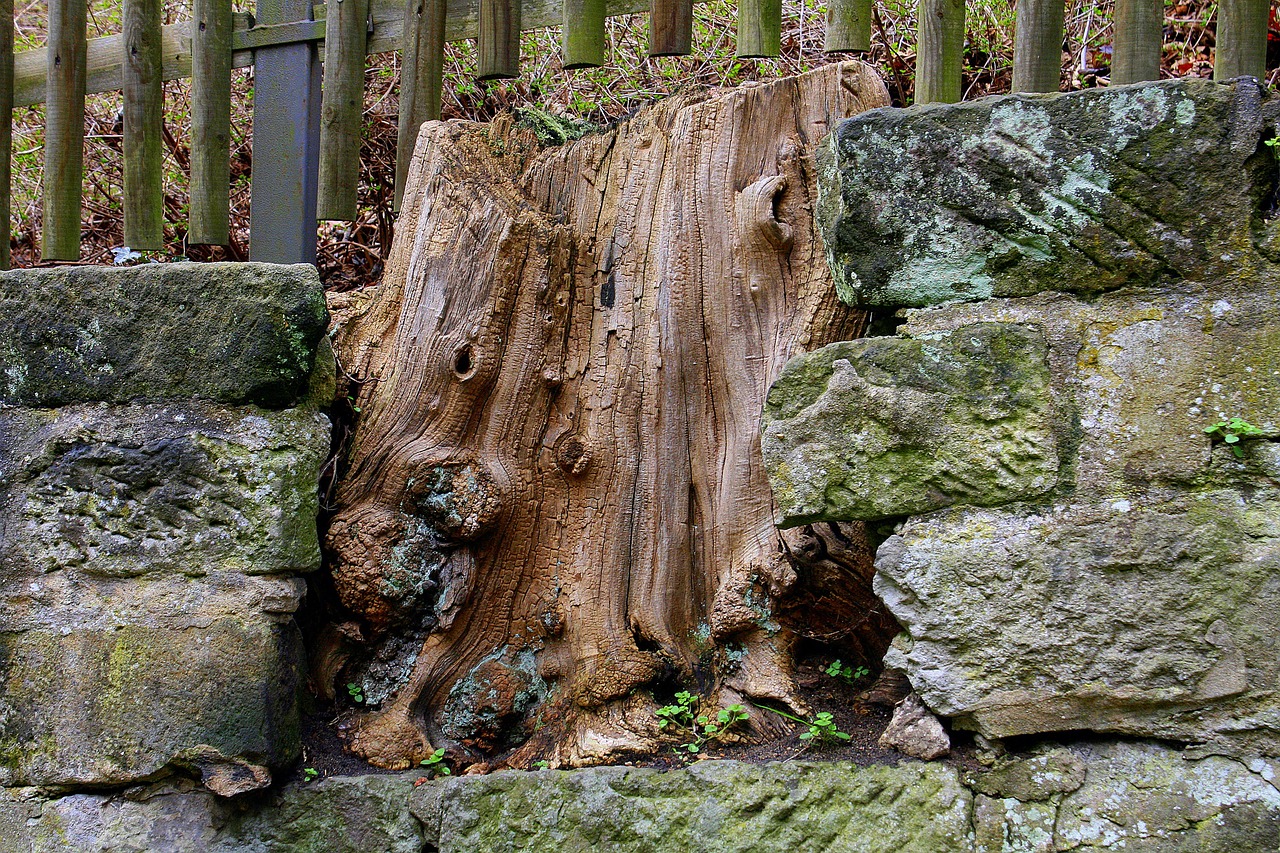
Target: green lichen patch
x: 230, y: 333
x: 882, y: 427
x: 1080, y: 192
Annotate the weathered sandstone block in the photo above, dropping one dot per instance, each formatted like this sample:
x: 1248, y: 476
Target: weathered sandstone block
x: 1097, y: 796
x: 232, y: 333
x: 919, y: 424
x: 149, y: 545
x: 1136, y: 587
x: 1136, y: 185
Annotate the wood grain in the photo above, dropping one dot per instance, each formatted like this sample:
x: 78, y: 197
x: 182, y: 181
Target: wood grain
x: 571, y: 348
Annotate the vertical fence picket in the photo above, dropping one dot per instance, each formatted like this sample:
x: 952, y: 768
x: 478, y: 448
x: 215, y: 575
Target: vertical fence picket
x: 583, y: 33
x: 848, y: 26
x: 1242, y: 39
x: 143, y: 118
x: 940, y: 51
x: 6, y: 125
x: 346, y: 32
x: 421, y: 79
x: 210, y: 123
x: 1135, y: 49
x: 1037, y: 46
x: 64, y: 130
x: 498, y: 40
x: 759, y: 28
x: 286, y: 142
x: 670, y: 27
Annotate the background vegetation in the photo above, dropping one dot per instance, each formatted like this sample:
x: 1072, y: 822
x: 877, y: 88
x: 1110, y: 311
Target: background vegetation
x: 352, y: 254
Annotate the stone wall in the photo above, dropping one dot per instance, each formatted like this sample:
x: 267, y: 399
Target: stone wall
x: 160, y: 445
x: 1106, y: 795
x: 1094, y: 284
x: 1082, y: 285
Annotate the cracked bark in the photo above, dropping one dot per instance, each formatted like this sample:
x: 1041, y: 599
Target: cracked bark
x: 556, y: 500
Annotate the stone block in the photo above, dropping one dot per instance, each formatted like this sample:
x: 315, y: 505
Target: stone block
x: 147, y: 590
x: 230, y: 333
x: 1083, y: 192
x: 882, y: 427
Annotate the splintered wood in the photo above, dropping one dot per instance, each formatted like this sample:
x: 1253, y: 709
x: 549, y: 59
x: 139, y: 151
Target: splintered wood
x: 555, y: 501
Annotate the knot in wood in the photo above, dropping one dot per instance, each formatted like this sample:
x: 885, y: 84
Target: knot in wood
x: 572, y: 455
x: 460, y: 500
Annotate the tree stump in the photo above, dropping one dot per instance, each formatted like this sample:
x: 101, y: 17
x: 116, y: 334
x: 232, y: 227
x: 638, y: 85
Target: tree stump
x: 555, y: 502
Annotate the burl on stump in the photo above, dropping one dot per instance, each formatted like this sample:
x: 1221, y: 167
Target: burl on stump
x: 555, y: 502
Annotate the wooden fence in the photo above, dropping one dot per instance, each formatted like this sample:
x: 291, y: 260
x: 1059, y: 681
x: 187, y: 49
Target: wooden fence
x: 305, y: 140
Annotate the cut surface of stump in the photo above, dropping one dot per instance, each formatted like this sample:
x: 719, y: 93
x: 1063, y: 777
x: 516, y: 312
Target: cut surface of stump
x: 555, y: 508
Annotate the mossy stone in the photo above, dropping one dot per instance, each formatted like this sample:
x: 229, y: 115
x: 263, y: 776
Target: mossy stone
x: 882, y: 427
x: 1079, y: 192
x: 230, y: 333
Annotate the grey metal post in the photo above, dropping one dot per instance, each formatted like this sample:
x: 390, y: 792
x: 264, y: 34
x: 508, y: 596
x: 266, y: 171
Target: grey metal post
x: 286, y: 142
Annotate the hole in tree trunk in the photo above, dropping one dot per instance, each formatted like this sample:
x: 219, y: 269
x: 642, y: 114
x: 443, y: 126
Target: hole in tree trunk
x: 463, y: 366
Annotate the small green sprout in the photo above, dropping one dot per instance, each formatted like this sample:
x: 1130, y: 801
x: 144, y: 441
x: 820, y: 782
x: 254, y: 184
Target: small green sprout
x: 846, y: 673
x: 310, y: 774
x: 355, y: 692
x: 822, y: 728
x: 1231, y: 431
x: 694, y: 728
x: 435, y: 765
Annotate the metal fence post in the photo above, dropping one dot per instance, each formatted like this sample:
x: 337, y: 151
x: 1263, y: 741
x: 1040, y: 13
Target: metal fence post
x: 286, y: 142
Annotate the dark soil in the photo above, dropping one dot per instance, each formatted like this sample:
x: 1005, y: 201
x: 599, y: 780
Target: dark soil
x: 854, y: 714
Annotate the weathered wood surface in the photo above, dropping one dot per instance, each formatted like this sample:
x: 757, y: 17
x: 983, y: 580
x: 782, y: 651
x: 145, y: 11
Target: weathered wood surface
x: 940, y: 52
x: 759, y: 28
x: 498, y: 40
x: 421, y: 80
x: 1139, y: 32
x: 555, y: 499
x: 1242, y: 39
x: 6, y: 125
x: 670, y: 27
x: 211, y: 123
x: 583, y: 39
x: 64, y: 132
x: 1037, y: 52
x: 341, y: 109
x: 143, y: 122
x: 848, y: 26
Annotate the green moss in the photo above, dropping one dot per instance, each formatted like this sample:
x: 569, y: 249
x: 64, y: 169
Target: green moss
x: 233, y: 333
x: 1019, y: 195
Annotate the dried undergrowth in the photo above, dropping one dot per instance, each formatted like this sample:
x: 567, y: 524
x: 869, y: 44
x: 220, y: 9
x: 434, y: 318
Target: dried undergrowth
x: 352, y: 254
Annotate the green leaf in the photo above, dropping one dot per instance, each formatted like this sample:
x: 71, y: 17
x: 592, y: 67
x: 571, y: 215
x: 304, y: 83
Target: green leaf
x: 1231, y: 438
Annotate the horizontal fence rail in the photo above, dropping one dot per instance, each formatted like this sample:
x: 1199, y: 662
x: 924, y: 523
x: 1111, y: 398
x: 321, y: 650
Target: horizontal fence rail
x: 104, y: 54
x: 307, y: 140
